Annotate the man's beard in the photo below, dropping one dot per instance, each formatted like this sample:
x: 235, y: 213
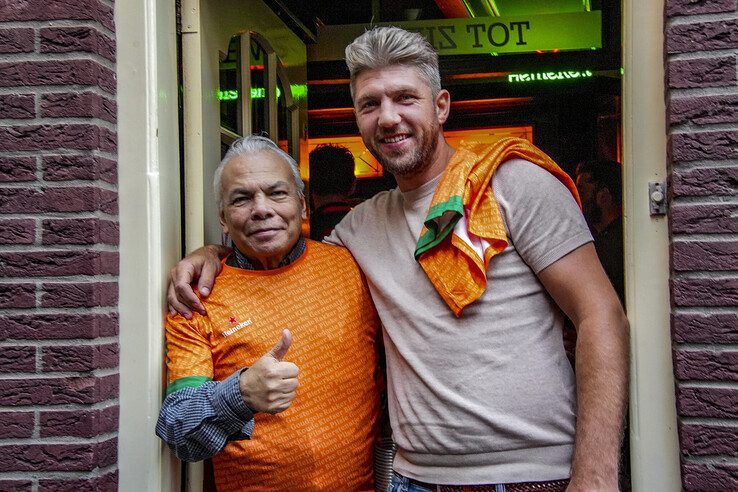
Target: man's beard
x: 409, y: 164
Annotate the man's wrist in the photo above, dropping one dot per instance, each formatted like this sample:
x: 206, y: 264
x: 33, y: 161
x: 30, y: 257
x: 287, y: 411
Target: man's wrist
x: 228, y: 401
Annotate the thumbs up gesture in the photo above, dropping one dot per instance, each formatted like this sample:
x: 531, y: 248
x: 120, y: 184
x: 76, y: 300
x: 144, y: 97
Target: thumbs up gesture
x: 269, y: 385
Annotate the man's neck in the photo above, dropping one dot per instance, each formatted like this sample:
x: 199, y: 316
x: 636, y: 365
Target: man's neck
x: 441, y: 157
x: 238, y: 259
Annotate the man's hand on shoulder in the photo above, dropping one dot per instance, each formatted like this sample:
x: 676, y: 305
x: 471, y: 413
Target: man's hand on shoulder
x: 202, y: 265
x: 269, y: 385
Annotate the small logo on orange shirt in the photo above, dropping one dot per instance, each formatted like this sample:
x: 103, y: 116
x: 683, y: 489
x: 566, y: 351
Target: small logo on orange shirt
x: 233, y: 330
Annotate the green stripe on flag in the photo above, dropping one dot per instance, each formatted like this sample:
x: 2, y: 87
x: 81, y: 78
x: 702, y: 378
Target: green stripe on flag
x: 188, y: 382
x: 433, y: 236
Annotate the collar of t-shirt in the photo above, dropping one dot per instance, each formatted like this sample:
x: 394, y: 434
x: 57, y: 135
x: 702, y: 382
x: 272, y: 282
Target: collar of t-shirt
x: 238, y: 260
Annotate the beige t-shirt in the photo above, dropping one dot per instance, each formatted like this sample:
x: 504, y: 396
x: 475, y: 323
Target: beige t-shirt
x: 488, y: 397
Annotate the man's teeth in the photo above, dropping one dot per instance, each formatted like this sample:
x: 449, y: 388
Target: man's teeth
x: 395, y: 139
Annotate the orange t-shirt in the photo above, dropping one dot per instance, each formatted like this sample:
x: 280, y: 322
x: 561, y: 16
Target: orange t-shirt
x: 324, y: 440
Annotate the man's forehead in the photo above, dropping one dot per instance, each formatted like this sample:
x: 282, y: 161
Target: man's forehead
x: 263, y: 165
x: 392, y: 78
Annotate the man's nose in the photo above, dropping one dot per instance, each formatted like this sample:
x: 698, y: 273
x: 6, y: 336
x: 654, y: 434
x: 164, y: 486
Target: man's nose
x: 261, y: 208
x: 388, y: 115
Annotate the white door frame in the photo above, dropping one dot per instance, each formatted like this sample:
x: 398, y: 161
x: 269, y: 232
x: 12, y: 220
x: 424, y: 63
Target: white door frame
x: 150, y: 236
x: 654, y: 447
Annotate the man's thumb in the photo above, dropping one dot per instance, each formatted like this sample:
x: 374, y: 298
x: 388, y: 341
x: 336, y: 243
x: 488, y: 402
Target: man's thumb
x: 282, y: 346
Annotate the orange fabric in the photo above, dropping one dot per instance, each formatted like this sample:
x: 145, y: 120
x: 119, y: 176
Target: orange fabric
x: 457, y: 272
x: 324, y: 441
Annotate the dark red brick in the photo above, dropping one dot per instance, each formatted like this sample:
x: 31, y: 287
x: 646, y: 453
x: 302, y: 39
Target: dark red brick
x: 705, y: 255
x: 104, y: 483
x: 80, y: 294
x: 54, y: 137
x: 57, y: 72
x: 704, y: 328
x: 702, y: 72
x: 694, y: 146
x: 17, y: 231
x: 14, y: 169
x: 80, y: 231
x: 17, y: 359
x: 58, y: 263
x: 16, y: 40
x: 707, y: 402
x: 68, y: 167
x: 77, y: 39
x: 58, y: 326
x: 79, y: 423
x: 705, y: 182
x: 701, y: 440
x: 17, y: 106
x: 58, y: 199
x: 57, y: 391
x: 16, y: 486
x: 108, y: 141
x: 706, y: 365
x: 702, y: 36
x: 55, y: 457
x: 691, y: 7
x: 17, y: 295
x: 16, y: 425
x: 709, y: 477
x: 78, y: 105
x: 703, y: 110
x: 28, y: 10
x: 705, y: 292
x: 703, y: 219
x: 82, y: 358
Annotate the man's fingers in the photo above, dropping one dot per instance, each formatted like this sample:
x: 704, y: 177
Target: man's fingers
x: 174, y: 305
x: 282, y: 346
x: 281, y: 404
x: 185, y: 295
x: 207, y: 277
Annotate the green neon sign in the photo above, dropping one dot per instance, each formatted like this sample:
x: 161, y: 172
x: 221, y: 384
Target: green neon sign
x: 549, y: 76
x: 299, y: 91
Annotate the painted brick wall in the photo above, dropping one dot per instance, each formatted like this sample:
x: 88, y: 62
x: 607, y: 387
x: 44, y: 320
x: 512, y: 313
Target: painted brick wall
x: 701, y: 52
x: 58, y: 246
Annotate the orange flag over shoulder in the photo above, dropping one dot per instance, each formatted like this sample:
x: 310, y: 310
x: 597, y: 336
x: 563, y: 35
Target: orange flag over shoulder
x: 464, y: 228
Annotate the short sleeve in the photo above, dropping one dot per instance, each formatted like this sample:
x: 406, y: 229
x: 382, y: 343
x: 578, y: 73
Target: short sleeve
x: 542, y: 217
x: 188, y: 352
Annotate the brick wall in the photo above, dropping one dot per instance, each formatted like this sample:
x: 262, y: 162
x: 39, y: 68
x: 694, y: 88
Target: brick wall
x: 58, y: 246
x: 701, y: 51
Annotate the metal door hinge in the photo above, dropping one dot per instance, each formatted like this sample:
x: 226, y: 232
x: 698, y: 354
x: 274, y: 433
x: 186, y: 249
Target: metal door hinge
x: 657, y: 197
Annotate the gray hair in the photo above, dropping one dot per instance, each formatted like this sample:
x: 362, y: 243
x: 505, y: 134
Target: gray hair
x: 253, y: 144
x: 382, y: 47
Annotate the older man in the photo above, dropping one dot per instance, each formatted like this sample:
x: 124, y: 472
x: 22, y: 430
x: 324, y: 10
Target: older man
x: 481, y: 395
x: 275, y: 286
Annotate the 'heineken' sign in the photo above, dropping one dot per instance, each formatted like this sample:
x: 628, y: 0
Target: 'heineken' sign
x: 479, y: 35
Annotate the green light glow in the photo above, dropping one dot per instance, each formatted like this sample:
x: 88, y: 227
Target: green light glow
x: 299, y: 91
x: 549, y: 76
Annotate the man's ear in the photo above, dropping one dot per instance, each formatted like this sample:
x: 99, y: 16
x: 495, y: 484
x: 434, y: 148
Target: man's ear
x: 304, y: 208
x: 443, y: 106
x: 223, y: 224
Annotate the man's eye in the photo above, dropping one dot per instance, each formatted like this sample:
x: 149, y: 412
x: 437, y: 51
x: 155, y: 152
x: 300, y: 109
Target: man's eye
x: 368, y: 105
x: 279, y: 193
x: 407, y: 97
